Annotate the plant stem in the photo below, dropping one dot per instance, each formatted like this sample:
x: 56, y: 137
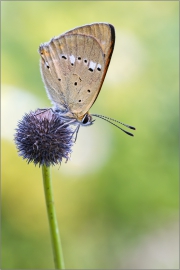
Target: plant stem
x: 54, y: 231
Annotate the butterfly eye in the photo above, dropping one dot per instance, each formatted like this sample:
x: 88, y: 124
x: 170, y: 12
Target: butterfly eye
x: 85, y: 119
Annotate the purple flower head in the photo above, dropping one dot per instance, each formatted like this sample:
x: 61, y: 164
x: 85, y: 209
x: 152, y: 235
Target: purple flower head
x: 44, y: 138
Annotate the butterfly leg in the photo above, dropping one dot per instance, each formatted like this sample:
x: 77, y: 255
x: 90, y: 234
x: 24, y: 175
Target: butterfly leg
x: 76, y: 132
x: 39, y: 111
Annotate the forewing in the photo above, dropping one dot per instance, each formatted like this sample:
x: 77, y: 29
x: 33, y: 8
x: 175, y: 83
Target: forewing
x: 73, y: 67
x: 105, y: 35
x: 103, y: 32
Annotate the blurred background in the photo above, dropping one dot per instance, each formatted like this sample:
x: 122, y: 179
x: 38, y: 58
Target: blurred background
x: 117, y: 198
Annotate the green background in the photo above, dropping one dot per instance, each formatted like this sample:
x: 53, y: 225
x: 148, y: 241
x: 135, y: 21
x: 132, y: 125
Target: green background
x: 117, y: 198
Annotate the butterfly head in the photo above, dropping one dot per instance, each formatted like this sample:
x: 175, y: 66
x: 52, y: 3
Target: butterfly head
x: 85, y: 120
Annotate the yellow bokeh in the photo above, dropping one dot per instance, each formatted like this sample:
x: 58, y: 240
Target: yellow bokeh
x: 116, y: 193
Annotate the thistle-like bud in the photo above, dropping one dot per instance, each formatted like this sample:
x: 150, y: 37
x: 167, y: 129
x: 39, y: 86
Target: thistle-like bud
x: 44, y: 138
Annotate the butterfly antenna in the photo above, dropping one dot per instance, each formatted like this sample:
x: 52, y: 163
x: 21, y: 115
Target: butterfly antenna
x: 108, y: 119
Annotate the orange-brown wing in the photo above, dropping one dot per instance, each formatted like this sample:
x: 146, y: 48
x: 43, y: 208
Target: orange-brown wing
x: 74, y: 65
x: 105, y: 35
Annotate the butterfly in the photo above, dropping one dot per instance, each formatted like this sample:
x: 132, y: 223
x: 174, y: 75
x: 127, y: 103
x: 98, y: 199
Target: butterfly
x: 73, y: 67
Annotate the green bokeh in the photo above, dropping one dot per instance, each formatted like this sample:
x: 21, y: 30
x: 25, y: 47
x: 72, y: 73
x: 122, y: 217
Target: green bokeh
x: 104, y: 213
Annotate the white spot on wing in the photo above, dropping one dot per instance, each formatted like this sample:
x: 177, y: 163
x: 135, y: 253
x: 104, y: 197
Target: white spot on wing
x: 99, y: 66
x: 72, y: 59
x: 92, y: 65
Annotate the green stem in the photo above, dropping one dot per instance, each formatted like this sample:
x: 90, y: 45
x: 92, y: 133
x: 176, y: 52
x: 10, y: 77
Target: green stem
x: 54, y: 231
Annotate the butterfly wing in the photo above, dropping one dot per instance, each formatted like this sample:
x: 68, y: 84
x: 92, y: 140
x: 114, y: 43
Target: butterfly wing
x: 105, y: 35
x: 74, y: 65
x: 103, y: 32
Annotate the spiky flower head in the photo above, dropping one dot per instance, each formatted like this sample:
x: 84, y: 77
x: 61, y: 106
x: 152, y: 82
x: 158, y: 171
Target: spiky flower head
x: 43, y: 138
